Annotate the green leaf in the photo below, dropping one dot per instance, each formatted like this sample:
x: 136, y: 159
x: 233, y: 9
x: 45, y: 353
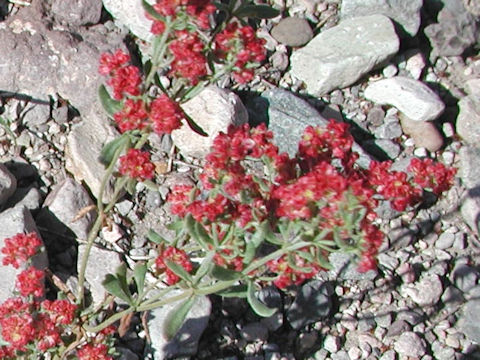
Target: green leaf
x: 155, y: 237
x: 223, y: 274
x: 221, y: 7
x: 260, y: 308
x: 110, y: 105
x: 6, y: 125
x: 176, y: 318
x: 235, y: 291
x: 113, y: 286
x: 179, y: 271
x: 151, y: 11
x: 202, y: 236
x: 150, y: 185
x: 256, y: 11
x: 176, y: 226
x: 255, y: 241
x: 194, y: 126
x: 204, y: 267
x: 110, y: 149
x: 122, y: 278
x: 139, y: 276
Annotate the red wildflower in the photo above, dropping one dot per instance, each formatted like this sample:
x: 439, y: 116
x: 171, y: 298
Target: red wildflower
x: 111, y: 62
x: 94, y: 352
x: 224, y: 258
x: 60, y: 311
x: 132, y: 117
x: 30, y: 282
x: 46, y: 333
x: 180, y: 198
x: 176, y: 256
x: 189, y: 61
x: 20, y: 248
x: 18, y: 330
x: 434, y: 176
x: 166, y: 115
x: 125, y: 80
x: 136, y: 164
x: 286, y: 275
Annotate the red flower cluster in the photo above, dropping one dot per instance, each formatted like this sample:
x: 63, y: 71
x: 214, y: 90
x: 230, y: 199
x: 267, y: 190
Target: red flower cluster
x: 24, y: 321
x: 176, y: 256
x: 165, y: 114
x: 20, y: 248
x: 124, y: 79
x: 434, y: 176
x: 94, y: 352
x: 198, y: 10
x: 132, y: 117
x: 225, y: 258
x: 137, y: 165
x: 240, y: 47
x: 286, y: 275
x: 189, y: 61
x: 322, y: 185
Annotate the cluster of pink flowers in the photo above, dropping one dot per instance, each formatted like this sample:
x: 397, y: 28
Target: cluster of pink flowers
x: 176, y: 256
x: 321, y: 184
x: 26, y: 320
x: 239, y: 46
x: 136, y: 164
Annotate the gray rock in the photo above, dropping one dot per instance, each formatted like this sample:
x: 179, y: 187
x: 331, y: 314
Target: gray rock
x: 410, y: 344
x: 305, y: 342
x: 464, y: 277
x: 312, y: 304
x: 185, y: 343
x: 214, y: 110
x: 62, y: 207
x: 455, y: 31
x: 388, y: 355
x: 129, y: 13
x: 442, y: 352
x: 100, y: 263
x: 331, y: 343
x: 470, y: 175
x: 469, y: 320
x: 287, y: 117
x: 30, y: 197
x: 416, y: 100
x: 36, y: 115
x: 391, y: 129
x: 8, y: 184
x: 85, y: 142
x: 468, y: 119
x: 292, y: 31
x: 344, y: 267
x: 398, y: 327
x: 339, y: 56
x: 341, y: 355
x: 383, y: 148
x: 445, y: 240
x: 470, y: 210
x: 405, y: 13
x: 14, y: 221
x: 75, y: 12
x: 426, y: 292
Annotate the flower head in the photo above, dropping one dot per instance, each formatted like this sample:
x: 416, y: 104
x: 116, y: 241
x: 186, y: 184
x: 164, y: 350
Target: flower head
x: 136, y: 164
x: 176, y: 256
x: 20, y: 248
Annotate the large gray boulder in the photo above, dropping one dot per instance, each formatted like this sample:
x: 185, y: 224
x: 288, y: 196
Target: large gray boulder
x: 339, y: 56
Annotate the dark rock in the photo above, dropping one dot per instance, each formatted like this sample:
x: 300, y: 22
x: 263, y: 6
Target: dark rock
x: 76, y: 12
x: 292, y: 31
x: 312, y: 304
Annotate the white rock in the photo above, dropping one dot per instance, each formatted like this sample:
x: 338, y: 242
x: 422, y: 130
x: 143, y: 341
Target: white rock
x: 8, y: 184
x: 416, y: 100
x: 339, y: 56
x: 468, y: 119
x: 415, y: 65
x: 410, y: 344
x: 425, y: 292
x: 130, y: 14
x: 214, y: 109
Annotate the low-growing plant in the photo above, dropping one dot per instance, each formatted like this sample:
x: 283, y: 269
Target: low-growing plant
x: 256, y: 217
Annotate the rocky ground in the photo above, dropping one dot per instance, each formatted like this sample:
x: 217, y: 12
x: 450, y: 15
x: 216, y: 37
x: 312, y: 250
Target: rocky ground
x: 404, y: 74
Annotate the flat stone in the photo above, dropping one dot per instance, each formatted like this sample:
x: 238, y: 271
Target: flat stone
x: 185, y: 342
x: 412, y: 97
x: 129, y: 13
x: 464, y: 277
x: 292, y: 31
x: 30, y: 197
x: 75, y: 12
x: 445, y: 240
x: 469, y: 320
x: 312, y: 304
x: 410, y: 344
x: 405, y: 13
x: 424, y: 133
x: 468, y: 119
x: 61, y: 209
x: 331, y: 343
x: 426, y: 292
x: 344, y: 267
x: 214, y: 110
x: 14, y: 221
x: 100, y: 263
x: 469, y: 170
x: 339, y: 56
